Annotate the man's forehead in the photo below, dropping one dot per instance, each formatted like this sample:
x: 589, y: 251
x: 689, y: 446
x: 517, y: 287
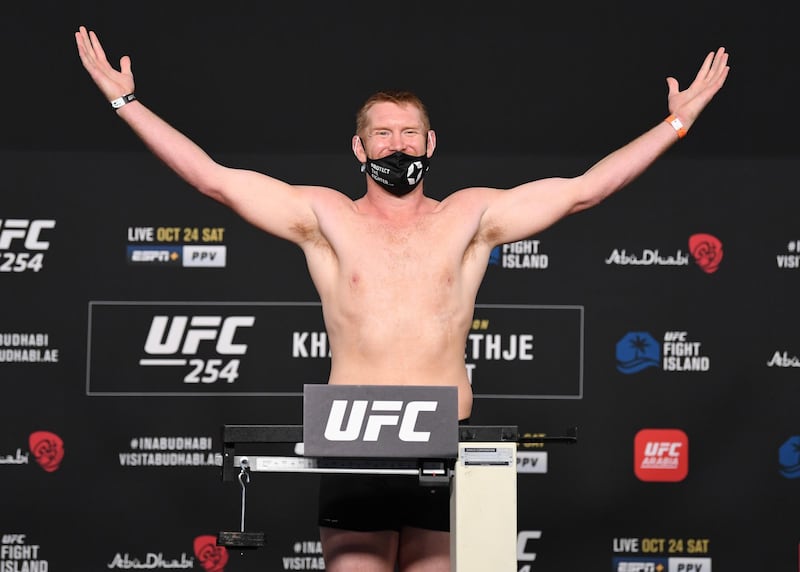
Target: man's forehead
x: 387, y: 113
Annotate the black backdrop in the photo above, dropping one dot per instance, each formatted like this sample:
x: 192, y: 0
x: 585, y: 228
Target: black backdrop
x: 516, y: 92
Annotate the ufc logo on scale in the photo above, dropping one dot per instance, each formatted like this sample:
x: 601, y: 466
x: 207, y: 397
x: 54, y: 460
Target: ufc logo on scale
x: 375, y: 421
x: 380, y: 421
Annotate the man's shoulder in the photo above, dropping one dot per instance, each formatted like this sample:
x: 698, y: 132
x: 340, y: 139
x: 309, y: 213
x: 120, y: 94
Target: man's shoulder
x: 325, y: 195
x: 468, y: 196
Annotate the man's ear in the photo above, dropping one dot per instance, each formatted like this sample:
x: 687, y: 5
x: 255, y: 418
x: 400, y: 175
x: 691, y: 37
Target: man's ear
x: 431, y: 142
x: 358, y: 149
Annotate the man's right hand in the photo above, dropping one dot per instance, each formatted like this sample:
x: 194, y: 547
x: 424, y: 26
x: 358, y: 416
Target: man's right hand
x: 111, y: 82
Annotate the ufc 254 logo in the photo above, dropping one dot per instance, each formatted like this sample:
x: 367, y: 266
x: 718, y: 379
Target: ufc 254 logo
x: 173, y: 342
x: 29, y: 255
x: 382, y: 413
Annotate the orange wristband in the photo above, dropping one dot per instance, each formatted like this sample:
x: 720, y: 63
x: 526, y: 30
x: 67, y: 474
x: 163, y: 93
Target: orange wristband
x: 677, y: 125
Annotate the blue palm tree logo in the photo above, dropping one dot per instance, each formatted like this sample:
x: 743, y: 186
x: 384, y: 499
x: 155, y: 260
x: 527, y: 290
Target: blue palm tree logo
x: 637, y: 351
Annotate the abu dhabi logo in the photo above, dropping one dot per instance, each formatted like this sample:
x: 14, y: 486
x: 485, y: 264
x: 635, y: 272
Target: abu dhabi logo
x: 706, y: 250
x: 637, y: 351
x: 789, y: 458
x: 48, y: 449
x: 212, y: 558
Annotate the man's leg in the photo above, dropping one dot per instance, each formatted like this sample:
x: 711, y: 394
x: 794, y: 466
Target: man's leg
x: 352, y: 551
x: 422, y: 550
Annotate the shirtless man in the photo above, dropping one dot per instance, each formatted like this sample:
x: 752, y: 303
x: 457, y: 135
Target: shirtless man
x: 396, y: 271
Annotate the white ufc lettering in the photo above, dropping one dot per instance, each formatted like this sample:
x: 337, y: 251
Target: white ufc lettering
x: 662, y: 448
x: 523, y: 555
x: 23, y: 228
x: 334, y: 430
x: 201, y: 328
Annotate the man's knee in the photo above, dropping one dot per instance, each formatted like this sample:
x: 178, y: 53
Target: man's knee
x: 346, y: 550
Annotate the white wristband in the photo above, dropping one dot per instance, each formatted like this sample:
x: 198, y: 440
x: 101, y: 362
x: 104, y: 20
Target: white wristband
x: 120, y: 101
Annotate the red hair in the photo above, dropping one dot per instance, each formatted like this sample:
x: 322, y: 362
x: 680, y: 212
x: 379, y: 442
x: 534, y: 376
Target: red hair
x: 400, y: 98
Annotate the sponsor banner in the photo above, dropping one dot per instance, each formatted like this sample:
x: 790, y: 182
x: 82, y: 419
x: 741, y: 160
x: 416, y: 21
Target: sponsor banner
x: 23, y: 243
x: 661, y: 455
x: 20, y: 553
x: 677, y: 352
x: 274, y: 348
x: 789, y: 458
x: 661, y: 554
x: 154, y: 255
x: 638, y: 564
x: 789, y: 260
x: 203, y: 549
x: 689, y: 565
x: 706, y: 250
x: 45, y: 448
x: 301, y: 555
x: 526, y: 351
x: 204, y: 256
x: 532, y: 462
x: 783, y: 359
x: 27, y: 347
x: 172, y: 255
x: 203, y: 348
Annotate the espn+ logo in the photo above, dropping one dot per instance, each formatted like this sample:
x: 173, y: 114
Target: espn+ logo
x: 364, y: 426
x: 177, y: 341
x: 14, y: 231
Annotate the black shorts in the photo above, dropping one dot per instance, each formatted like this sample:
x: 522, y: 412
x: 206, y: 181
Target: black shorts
x: 369, y: 503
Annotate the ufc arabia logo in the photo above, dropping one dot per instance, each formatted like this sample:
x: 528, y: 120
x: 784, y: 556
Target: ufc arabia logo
x: 381, y: 413
x: 180, y: 339
x: 661, y: 455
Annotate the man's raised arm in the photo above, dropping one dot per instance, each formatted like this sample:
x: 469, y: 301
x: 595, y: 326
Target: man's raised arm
x: 270, y: 204
x: 520, y: 212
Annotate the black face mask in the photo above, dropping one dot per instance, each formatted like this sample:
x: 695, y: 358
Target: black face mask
x: 398, y: 173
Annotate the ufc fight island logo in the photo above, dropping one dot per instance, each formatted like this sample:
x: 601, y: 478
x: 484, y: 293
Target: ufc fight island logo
x: 375, y: 420
x: 380, y: 421
x: 178, y: 341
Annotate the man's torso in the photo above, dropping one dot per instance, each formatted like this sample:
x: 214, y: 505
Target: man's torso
x: 398, y: 295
